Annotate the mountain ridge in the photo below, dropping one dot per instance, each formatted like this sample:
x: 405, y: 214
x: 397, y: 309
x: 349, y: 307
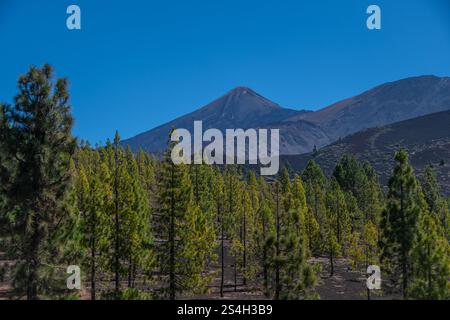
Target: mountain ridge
x: 426, y: 138
x: 239, y: 108
x: 302, y: 130
x: 384, y: 104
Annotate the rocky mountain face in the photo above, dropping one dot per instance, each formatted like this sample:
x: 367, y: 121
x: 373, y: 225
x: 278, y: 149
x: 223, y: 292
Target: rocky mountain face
x: 388, y: 103
x: 426, y: 138
x: 300, y: 131
x: 241, y: 108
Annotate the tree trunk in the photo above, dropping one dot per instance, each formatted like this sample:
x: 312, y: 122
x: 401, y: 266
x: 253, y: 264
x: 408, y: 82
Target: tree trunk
x: 172, y: 241
x: 130, y: 271
x: 222, y: 268
x: 366, y: 255
x: 33, y: 260
x: 93, y: 269
x: 403, y: 249
x: 429, y: 273
x: 117, y: 226
x: 277, y: 265
x: 338, y: 224
x: 244, y: 258
x: 235, y: 275
x: 331, y: 263
x: 265, y: 274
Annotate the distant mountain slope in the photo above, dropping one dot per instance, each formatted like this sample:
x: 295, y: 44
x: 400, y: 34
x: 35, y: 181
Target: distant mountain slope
x: 299, y: 137
x: 300, y: 131
x: 388, y: 103
x: 427, y: 139
x: 240, y: 108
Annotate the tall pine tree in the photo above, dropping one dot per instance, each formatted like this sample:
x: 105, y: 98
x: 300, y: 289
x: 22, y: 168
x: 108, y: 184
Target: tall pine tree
x: 431, y: 256
x: 41, y: 146
x: 399, y: 223
x: 186, y: 233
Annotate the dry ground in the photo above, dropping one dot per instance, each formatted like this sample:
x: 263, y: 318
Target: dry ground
x: 344, y: 285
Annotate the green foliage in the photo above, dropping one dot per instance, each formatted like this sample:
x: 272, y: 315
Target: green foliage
x: 233, y: 217
x: 142, y: 228
x: 37, y: 179
x: 437, y: 205
x: 431, y: 256
x: 349, y: 174
x: 134, y: 294
x: 315, y: 190
x: 111, y: 181
x: 363, y: 247
x: 186, y: 232
x: 294, y: 277
x: 399, y: 223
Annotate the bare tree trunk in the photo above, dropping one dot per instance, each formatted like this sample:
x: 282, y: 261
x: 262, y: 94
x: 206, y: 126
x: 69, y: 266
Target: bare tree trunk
x: 244, y: 258
x: 331, y: 263
x: 235, y: 275
x: 403, y: 249
x: 222, y: 253
x: 130, y: 271
x: 33, y: 260
x: 172, y: 242
x: 221, y: 221
x: 93, y: 268
x: 117, y: 226
x: 277, y: 265
x: 265, y: 273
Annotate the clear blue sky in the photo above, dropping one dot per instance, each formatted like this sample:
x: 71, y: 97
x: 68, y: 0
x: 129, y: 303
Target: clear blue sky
x: 137, y: 64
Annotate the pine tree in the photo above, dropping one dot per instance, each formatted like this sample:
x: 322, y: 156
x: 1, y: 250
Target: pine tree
x: 93, y: 194
x: 370, y: 196
x: 82, y: 191
x: 356, y: 218
x: 174, y: 197
x: 203, y: 180
x: 233, y: 206
x: 137, y: 222
x: 431, y: 256
x: 363, y: 248
x: 399, y: 222
x: 241, y: 242
x: 313, y: 232
x: 116, y: 194
x: 369, y: 240
x: 147, y: 173
x: 186, y: 233
x: 102, y: 185
x: 359, y: 182
x: 331, y: 245
x: 356, y: 250
x: 337, y: 208
x: 277, y: 259
x: 4, y: 171
x: 436, y: 203
x: 350, y: 175
x: 331, y: 224
x: 336, y: 226
x: 222, y: 220
x: 41, y: 145
x: 430, y: 189
x: 293, y: 276
x: 265, y: 240
x: 253, y: 229
x: 197, y: 237
x: 315, y: 185
x: 129, y: 219
x: 303, y: 273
